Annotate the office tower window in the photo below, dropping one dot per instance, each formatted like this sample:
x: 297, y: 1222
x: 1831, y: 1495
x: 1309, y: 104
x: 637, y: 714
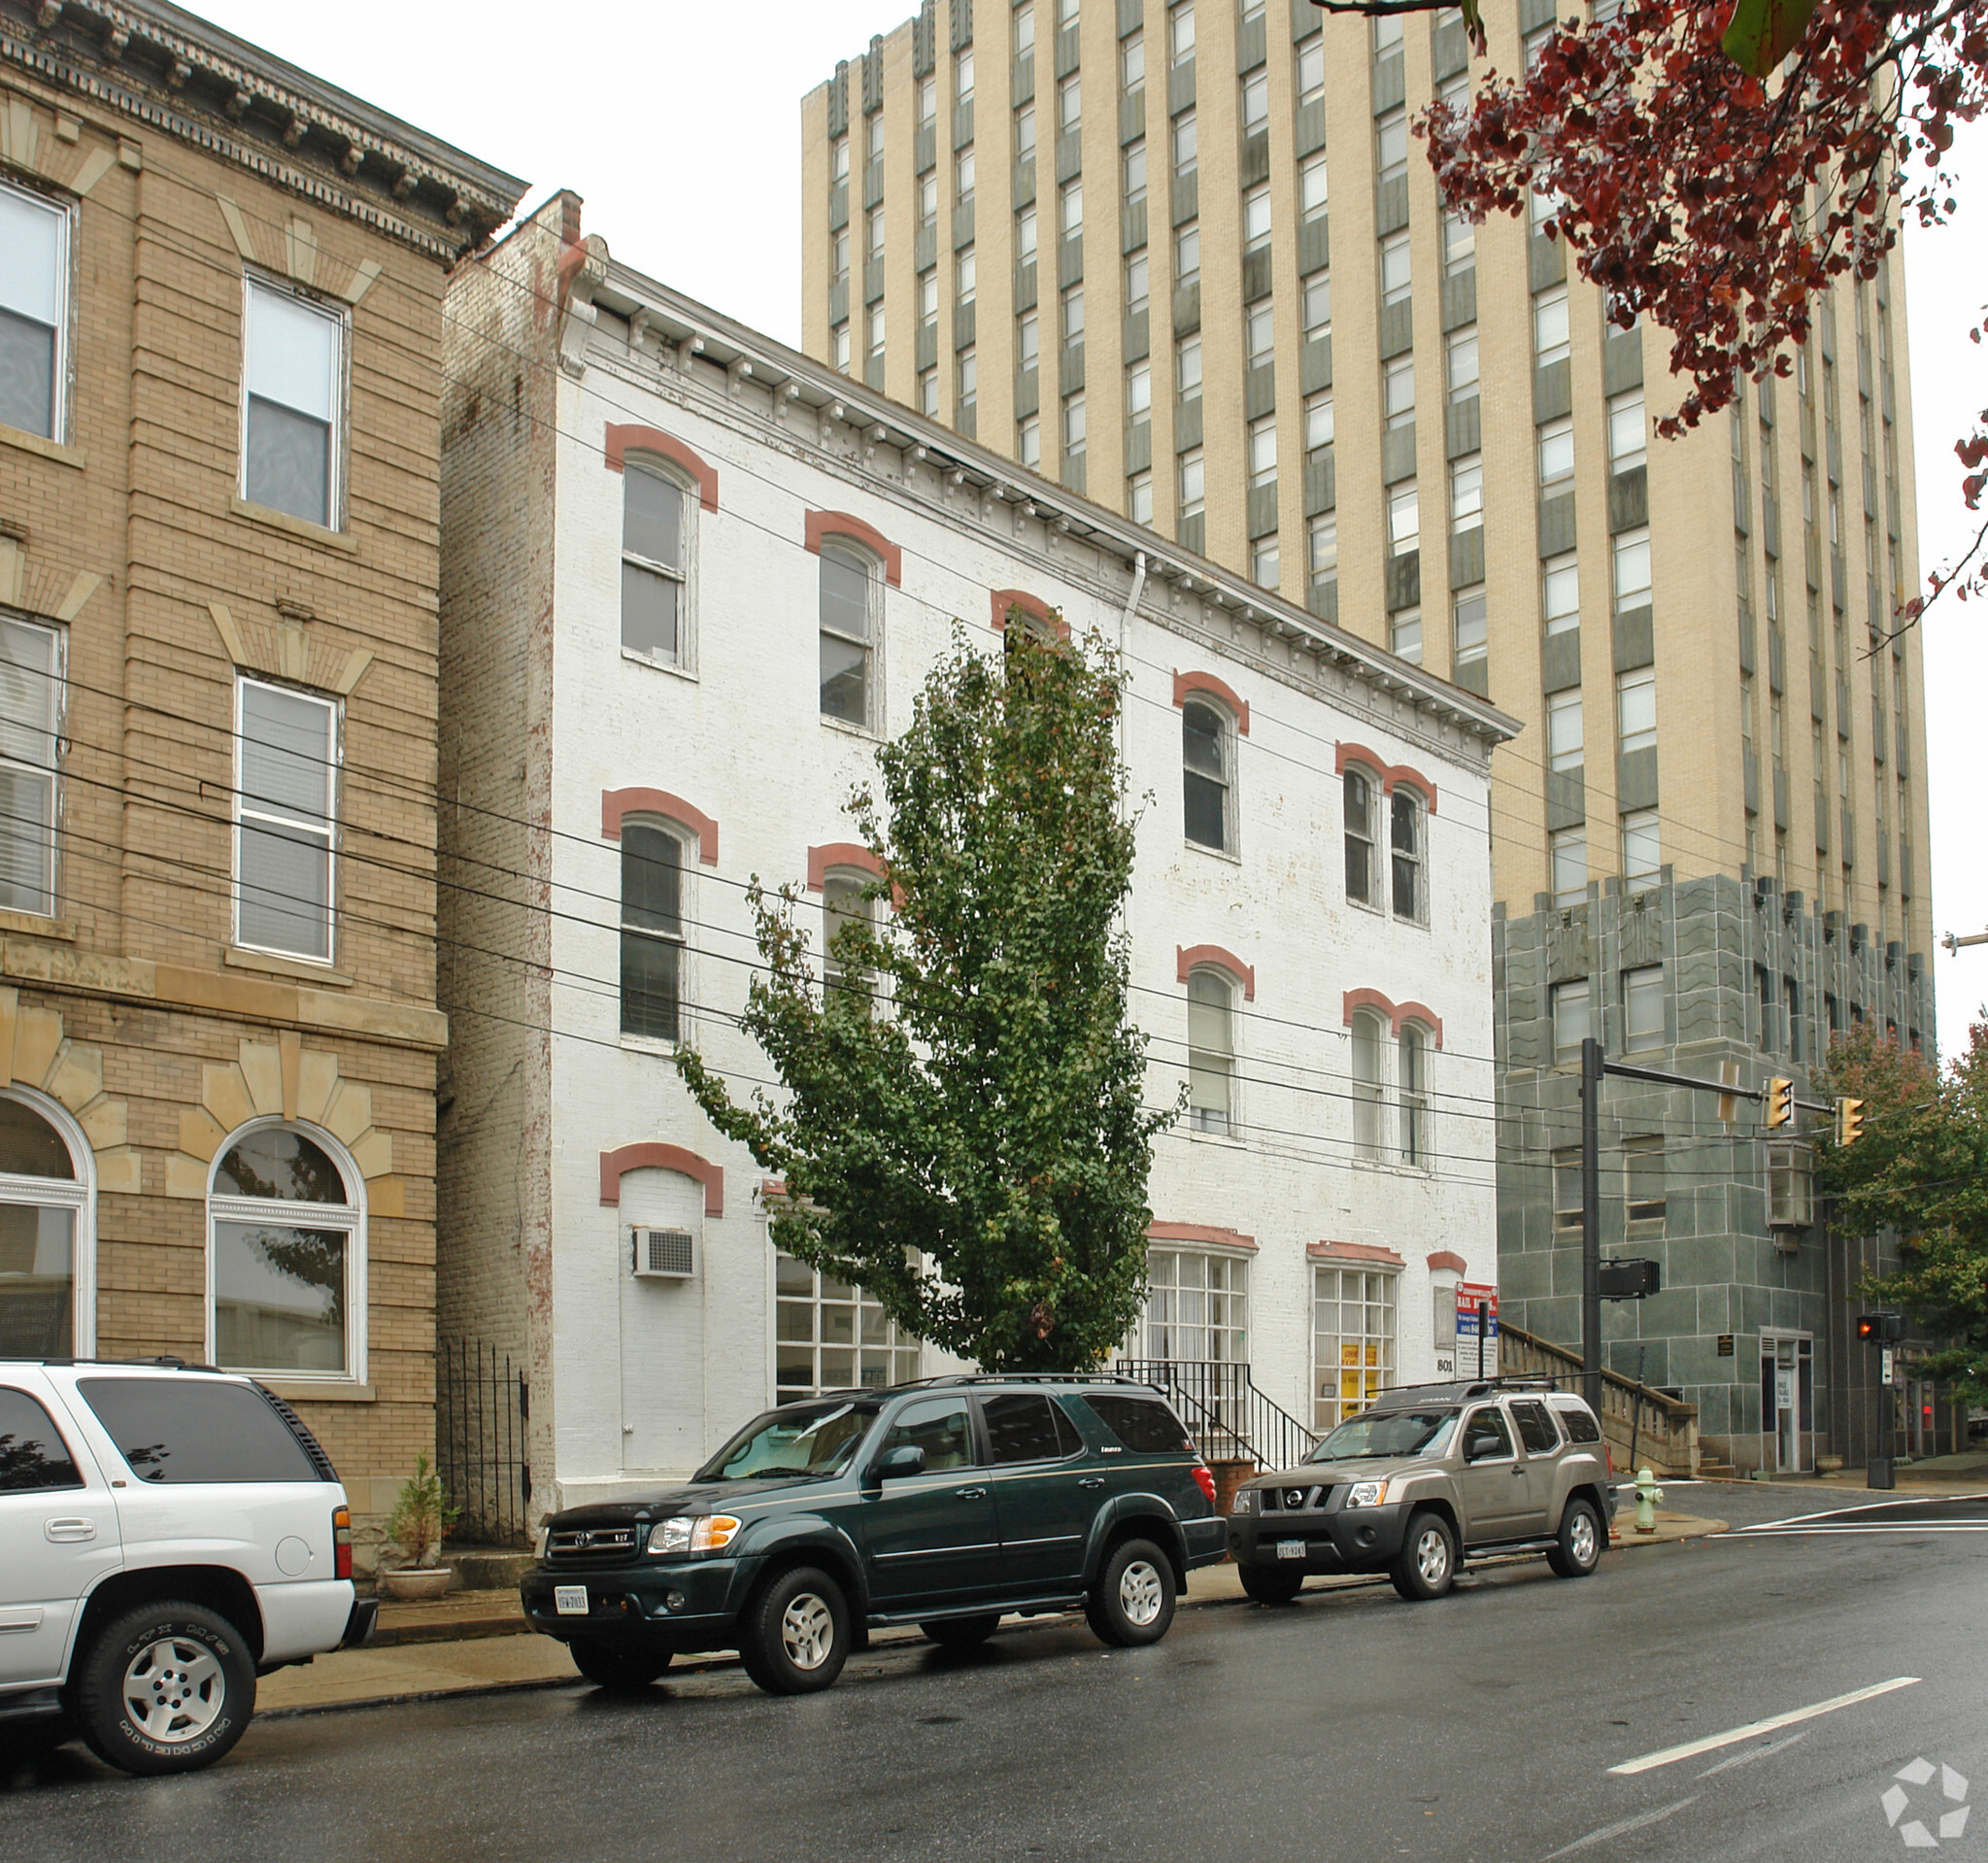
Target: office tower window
x: 1636, y: 696
x: 1262, y: 451
x: 928, y: 199
x: 1632, y: 553
x: 1643, y: 849
x: 1260, y: 333
x: 1187, y: 368
x: 1559, y: 594
x: 1387, y: 34
x: 1256, y: 101
x: 929, y: 298
x: 962, y: 75
x: 966, y: 273
x: 1642, y: 1027
x: 1317, y: 297
x: 1024, y: 235
x: 1070, y: 104
x: 1072, y: 313
x: 838, y: 257
x: 1135, y: 160
x: 1460, y: 360
x: 1458, y: 245
x: 1139, y: 497
x: 1391, y: 146
x: 1138, y: 282
x: 927, y: 102
x: 1256, y: 219
x: 1024, y: 30
x: 1073, y: 425
x: 1467, y: 493
x: 1550, y: 326
x: 1191, y: 482
x: 1131, y: 60
x: 1186, y: 144
x: 1070, y: 209
x: 1571, y: 1018
x: 876, y: 328
x: 1627, y: 441
x: 1556, y: 453
x: 1397, y: 391
x: 1314, y: 193
x: 1187, y: 254
x: 928, y: 393
x: 969, y: 379
x: 1138, y: 392
x: 873, y: 233
x: 1028, y: 340
x: 1264, y: 563
x: 1567, y: 855
x: 1311, y: 70
x: 1323, y: 549
x: 1180, y: 32
x: 1318, y: 426
x: 1397, y: 272
x: 1470, y: 631
x: 838, y: 339
x: 963, y: 172
x: 1025, y: 132
x: 1405, y: 519
x: 1028, y: 441
x: 1405, y: 635
x: 1564, y: 745
x: 838, y: 160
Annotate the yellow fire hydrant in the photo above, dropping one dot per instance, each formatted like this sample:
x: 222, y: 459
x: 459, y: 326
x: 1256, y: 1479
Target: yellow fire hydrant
x: 1648, y: 1494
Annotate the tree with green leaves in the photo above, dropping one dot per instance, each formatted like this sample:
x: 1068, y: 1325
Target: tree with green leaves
x: 961, y: 1131
x: 1920, y: 1169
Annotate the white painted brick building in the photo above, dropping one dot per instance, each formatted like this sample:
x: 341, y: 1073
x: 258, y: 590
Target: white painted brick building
x: 673, y: 548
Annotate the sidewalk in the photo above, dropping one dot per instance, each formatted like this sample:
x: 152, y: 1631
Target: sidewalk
x: 1934, y: 1477
x: 478, y: 1642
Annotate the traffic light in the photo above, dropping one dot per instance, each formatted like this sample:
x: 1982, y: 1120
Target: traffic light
x: 1850, y: 1121
x: 1780, y: 1102
x: 1871, y: 1328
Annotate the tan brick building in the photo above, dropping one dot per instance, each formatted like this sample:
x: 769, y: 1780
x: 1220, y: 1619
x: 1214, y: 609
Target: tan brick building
x: 1185, y: 256
x: 220, y: 353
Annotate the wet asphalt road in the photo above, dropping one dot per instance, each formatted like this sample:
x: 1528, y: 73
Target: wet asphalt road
x: 1350, y: 1726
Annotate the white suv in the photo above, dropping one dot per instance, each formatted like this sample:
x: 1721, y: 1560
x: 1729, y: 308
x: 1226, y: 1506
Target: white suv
x: 167, y: 1534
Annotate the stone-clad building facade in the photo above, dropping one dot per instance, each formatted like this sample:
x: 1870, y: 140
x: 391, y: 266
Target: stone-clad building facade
x: 221, y: 318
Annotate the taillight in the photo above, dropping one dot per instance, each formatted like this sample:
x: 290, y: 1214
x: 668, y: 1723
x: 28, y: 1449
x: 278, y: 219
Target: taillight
x: 1608, y: 1455
x: 341, y: 1542
x: 1204, y: 1480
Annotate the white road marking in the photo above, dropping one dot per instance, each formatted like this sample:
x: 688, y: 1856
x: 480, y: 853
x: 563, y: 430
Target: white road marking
x: 1777, y: 1530
x: 1759, y: 1752
x: 1624, y: 1828
x: 1867, y: 1506
x: 1753, y: 1730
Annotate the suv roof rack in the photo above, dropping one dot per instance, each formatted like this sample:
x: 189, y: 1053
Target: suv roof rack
x: 950, y: 1379
x: 162, y: 1361
x: 1462, y: 1390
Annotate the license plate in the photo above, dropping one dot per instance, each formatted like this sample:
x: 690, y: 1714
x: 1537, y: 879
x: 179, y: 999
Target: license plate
x: 1291, y: 1548
x: 570, y: 1601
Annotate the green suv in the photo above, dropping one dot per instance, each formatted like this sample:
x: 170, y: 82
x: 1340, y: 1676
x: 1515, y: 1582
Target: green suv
x: 946, y: 1503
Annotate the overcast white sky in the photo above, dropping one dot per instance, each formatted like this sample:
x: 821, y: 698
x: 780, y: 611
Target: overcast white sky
x: 684, y: 138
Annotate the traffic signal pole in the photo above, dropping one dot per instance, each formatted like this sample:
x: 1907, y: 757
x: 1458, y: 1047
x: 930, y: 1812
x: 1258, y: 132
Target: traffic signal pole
x: 1593, y: 1066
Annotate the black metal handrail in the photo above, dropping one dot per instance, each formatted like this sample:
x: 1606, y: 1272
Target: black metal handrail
x: 482, y: 1404
x: 1232, y: 1419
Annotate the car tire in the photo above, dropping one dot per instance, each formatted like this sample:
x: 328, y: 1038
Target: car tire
x: 621, y: 1670
x: 1426, y: 1567
x: 796, y: 1634
x: 961, y: 1633
x: 168, y: 1687
x: 1269, y: 1585
x: 1582, y: 1536
x: 1132, y: 1602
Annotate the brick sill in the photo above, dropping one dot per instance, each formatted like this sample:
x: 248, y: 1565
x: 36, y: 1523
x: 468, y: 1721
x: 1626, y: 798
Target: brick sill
x: 301, y: 527
x: 307, y: 1392
x: 45, y: 448
x: 31, y: 925
x: 237, y: 959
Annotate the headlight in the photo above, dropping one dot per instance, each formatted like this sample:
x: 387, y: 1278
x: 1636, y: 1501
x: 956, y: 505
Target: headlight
x: 1244, y: 1501
x: 1367, y: 1494
x: 545, y: 1542
x: 693, y: 1533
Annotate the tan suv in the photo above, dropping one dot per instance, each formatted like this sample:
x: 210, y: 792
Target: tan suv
x: 1431, y: 1476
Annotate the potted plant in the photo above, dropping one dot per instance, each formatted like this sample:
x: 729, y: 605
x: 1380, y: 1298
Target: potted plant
x: 421, y: 1512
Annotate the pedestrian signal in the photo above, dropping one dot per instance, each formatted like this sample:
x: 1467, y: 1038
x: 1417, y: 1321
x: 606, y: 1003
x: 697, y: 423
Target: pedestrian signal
x: 1780, y: 1102
x: 1870, y: 1327
x: 1850, y: 1121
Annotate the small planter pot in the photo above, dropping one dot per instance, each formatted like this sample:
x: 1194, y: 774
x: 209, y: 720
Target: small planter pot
x: 410, y: 1584
x: 1829, y: 1464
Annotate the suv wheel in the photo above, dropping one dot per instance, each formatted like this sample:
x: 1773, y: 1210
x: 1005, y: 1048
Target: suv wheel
x: 795, y: 1634
x: 165, y: 1688
x: 1133, y: 1600
x: 1580, y: 1550
x: 961, y: 1633
x: 1268, y: 1585
x: 606, y: 1667
x: 1426, y: 1567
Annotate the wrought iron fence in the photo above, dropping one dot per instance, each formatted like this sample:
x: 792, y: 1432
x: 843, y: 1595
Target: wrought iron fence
x: 1229, y: 1417
x: 482, y: 1401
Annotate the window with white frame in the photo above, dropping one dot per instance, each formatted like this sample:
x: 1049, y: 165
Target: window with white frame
x: 1397, y: 278
x: 1260, y: 333
x: 292, y: 403
x: 830, y: 1335
x: 1071, y: 208
x: 1405, y: 519
x: 1073, y: 425
x: 1139, y: 393
x: 848, y: 597
x: 1180, y: 32
x: 876, y: 328
x: 1319, y: 428
x: 1029, y: 440
x: 1460, y: 362
x: 1556, y: 451
x: 1315, y: 294
x: 1467, y: 493
x: 1636, y: 702
x: 651, y: 930
x: 1471, y: 643
x: 1197, y: 1305
x: 1572, y: 1019
x: 963, y: 176
x: 1397, y: 391
x: 655, y: 540
x: 34, y: 313
x: 1026, y: 236
x: 1550, y: 326
x: 1138, y: 282
x: 962, y: 75
x: 1568, y: 857
x: 1208, y: 774
x: 1360, y: 792
x: 1566, y: 1187
x: 1566, y: 734
x: 1367, y: 1056
x: 1024, y: 30
x: 1643, y: 1007
x: 1408, y: 823
x: 1643, y: 850
x: 1559, y: 594
x: 965, y: 384
x: 1264, y: 562
x: 286, y: 812
x: 1630, y: 552
x: 1028, y: 340
x: 1187, y: 368
x: 1185, y: 136
x: 47, y: 1287
x: 846, y: 900
x: 1070, y: 104
x: 1256, y: 219
x: 1212, y: 1051
x: 1311, y: 70
x: 1642, y: 1180
x: 1321, y: 552
x: 1353, y: 1340
x: 1628, y: 439
x: 1391, y: 146
x: 1458, y: 245
x: 965, y: 274
x: 1314, y: 188
x: 1025, y: 133
x: 1192, y: 484
x: 1411, y: 1094
x: 1131, y: 60
x: 30, y: 720
x: 1405, y: 635
x: 1187, y: 258
x: 1139, y: 497
x: 287, y: 1256
x: 1263, y: 452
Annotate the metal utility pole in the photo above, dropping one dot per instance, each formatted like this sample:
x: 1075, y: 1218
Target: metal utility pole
x: 1591, y: 1222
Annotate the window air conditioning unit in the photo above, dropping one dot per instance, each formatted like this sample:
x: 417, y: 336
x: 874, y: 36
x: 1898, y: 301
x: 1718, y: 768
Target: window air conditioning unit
x: 665, y: 1254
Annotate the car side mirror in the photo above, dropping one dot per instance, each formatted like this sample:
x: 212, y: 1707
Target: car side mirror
x: 906, y: 1459
x: 1482, y: 1444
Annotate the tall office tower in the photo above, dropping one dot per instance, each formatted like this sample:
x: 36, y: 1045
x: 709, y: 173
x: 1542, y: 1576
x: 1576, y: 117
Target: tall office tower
x: 1188, y: 259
